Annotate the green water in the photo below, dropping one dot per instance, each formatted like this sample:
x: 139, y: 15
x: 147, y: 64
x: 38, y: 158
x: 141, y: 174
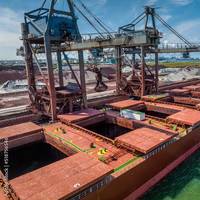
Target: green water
x: 181, y: 184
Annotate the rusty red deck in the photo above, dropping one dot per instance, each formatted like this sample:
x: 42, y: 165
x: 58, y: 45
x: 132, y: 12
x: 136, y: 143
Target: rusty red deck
x: 20, y: 134
x: 129, y: 103
x: 132, y: 124
x: 185, y: 117
x: 192, y: 87
x: 61, y: 179
x: 155, y: 97
x: 195, y: 94
x: 79, y: 115
x: 163, y: 108
x: 81, y: 141
x: 143, y: 139
x: 77, y: 137
x: 179, y: 91
x: 2, y: 195
x: 14, y: 131
x: 187, y: 100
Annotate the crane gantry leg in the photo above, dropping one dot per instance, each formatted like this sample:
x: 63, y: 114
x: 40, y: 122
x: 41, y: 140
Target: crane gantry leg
x: 119, y: 66
x: 52, y: 90
x: 82, y: 78
x: 142, y: 71
x: 60, y: 71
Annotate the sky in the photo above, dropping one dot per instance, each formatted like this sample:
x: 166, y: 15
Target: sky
x: 183, y: 15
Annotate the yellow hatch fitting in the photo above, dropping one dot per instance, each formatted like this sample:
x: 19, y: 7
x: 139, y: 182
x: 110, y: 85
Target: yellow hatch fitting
x: 102, y: 151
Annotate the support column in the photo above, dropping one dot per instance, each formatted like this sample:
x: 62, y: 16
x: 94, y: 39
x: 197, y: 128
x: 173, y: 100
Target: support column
x: 60, y: 71
x: 156, y: 70
x: 52, y: 90
x: 133, y: 58
x: 82, y: 77
x: 142, y: 72
x: 30, y: 72
x: 119, y: 66
x: 133, y: 62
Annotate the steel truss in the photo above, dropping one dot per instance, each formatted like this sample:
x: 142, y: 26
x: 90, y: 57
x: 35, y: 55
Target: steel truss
x: 51, y: 101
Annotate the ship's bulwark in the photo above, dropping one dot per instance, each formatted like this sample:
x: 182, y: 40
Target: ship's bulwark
x: 126, y: 185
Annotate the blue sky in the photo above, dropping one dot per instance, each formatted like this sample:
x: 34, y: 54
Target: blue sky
x: 183, y: 15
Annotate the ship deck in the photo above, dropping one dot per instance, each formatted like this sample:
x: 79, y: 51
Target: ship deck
x: 61, y: 179
x: 93, y: 144
x: 186, y: 117
x: 79, y: 115
x: 143, y: 139
x: 124, y: 104
x: 99, y: 146
x: 20, y: 134
x: 192, y: 87
x: 186, y: 96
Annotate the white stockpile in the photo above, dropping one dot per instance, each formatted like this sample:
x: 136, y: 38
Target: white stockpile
x: 181, y: 74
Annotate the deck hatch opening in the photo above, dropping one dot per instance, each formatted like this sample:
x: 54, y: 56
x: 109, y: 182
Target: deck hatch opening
x: 29, y: 157
x: 152, y: 113
x: 108, y: 129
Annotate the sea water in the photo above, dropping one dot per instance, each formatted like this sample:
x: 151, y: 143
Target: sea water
x: 181, y: 184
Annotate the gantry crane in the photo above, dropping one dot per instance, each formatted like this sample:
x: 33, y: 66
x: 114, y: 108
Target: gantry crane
x: 47, y: 27
x: 48, y: 30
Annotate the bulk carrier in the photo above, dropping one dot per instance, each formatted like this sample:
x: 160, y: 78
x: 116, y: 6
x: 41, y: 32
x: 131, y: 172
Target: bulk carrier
x: 115, y: 146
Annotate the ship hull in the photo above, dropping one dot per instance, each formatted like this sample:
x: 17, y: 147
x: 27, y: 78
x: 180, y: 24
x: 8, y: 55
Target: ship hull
x: 138, y: 180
